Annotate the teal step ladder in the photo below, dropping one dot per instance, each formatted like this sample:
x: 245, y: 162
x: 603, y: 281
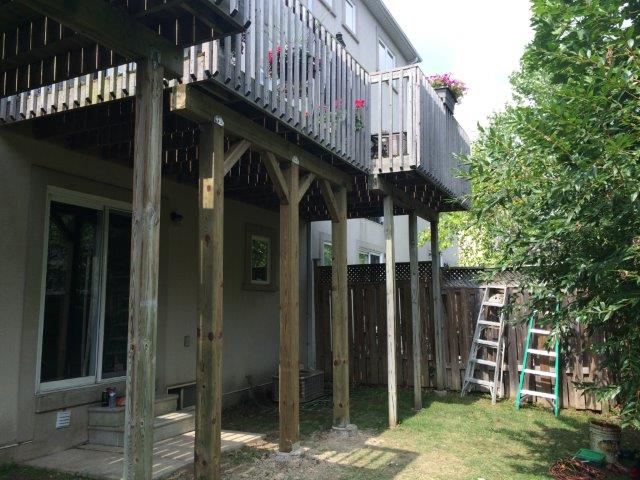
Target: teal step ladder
x: 487, y: 347
x: 528, y: 371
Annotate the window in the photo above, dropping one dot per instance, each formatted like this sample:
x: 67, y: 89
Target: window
x: 260, y: 256
x: 327, y: 254
x: 386, y: 59
x: 259, y: 270
x: 85, y: 307
x: 366, y: 257
x: 350, y: 15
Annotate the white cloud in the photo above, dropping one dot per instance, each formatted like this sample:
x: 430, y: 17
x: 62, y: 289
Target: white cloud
x: 479, y: 41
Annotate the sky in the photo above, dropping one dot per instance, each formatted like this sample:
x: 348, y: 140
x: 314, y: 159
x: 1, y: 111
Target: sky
x: 479, y: 41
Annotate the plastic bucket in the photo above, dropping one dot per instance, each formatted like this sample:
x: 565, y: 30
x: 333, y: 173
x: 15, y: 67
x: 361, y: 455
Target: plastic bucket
x: 605, y: 438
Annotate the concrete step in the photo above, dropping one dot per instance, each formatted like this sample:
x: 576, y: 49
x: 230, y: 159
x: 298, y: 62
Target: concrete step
x: 164, y: 426
x: 114, y: 417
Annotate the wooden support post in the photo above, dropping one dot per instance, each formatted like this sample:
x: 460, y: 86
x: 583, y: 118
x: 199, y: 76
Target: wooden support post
x: 339, y: 312
x: 143, y: 287
x: 289, y: 393
x: 415, y: 311
x: 210, y: 301
x: 438, y: 318
x: 390, y: 262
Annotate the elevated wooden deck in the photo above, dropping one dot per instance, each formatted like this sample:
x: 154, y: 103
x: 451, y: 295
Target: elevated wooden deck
x: 285, y: 67
x: 49, y: 41
x: 413, y: 134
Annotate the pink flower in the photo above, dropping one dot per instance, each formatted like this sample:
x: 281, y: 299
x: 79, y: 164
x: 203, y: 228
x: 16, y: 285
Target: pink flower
x: 359, y: 103
x: 446, y: 80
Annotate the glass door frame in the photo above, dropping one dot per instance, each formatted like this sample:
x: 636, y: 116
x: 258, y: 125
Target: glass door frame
x: 102, y: 204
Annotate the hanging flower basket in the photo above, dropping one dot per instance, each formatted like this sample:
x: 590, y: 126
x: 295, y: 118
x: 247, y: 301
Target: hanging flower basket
x: 449, y: 89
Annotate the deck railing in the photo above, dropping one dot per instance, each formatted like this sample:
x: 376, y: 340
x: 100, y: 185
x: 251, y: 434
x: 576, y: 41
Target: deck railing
x: 286, y: 64
x: 413, y: 130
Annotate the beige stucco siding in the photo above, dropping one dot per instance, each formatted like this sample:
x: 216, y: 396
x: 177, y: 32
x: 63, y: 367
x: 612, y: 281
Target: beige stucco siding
x: 251, y: 331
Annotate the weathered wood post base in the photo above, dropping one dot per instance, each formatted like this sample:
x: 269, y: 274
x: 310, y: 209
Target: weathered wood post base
x: 436, y: 295
x: 415, y: 311
x: 210, y: 301
x: 390, y: 262
x: 289, y: 394
x: 143, y: 288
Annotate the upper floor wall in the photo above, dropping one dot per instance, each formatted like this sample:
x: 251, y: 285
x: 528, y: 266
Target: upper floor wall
x: 368, y: 30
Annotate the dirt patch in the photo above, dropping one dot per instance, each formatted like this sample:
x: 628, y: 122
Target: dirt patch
x: 323, y: 456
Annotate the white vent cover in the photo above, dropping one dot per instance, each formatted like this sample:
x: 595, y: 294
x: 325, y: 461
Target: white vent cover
x: 63, y: 419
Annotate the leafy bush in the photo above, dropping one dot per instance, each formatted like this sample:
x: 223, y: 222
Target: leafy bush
x: 557, y: 180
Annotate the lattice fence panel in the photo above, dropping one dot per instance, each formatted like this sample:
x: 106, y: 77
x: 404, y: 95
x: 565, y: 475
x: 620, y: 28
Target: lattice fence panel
x: 461, y: 297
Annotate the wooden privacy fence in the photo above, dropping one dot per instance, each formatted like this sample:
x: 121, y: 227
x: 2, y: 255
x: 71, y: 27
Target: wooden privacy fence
x: 461, y: 297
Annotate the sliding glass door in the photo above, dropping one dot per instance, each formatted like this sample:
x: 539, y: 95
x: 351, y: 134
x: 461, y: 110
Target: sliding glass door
x: 84, y: 319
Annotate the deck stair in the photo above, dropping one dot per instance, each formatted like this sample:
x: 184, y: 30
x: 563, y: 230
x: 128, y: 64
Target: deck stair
x: 533, y: 358
x: 106, y: 425
x: 487, y: 348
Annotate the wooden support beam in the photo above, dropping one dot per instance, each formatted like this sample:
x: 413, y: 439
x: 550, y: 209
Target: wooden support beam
x: 199, y: 106
x: 415, y: 311
x: 289, y: 390
x: 277, y: 177
x: 112, y: 27
x: 390, y: 263
x: 330, y: 200
x: 234, y: 154
x: 305, y: 183
x: 339, y: 312
x: 436, y: 297
x: 210, y: 301
x: 401, y: 198
x: 143, y: 287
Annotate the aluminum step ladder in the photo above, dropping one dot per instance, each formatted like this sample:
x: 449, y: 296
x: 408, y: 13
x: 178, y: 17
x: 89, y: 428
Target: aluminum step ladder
x: 530, y: 370
x: 490, y: 323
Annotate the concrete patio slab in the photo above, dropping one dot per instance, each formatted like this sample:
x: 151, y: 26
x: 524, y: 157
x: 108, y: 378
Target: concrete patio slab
x: 106, y: 462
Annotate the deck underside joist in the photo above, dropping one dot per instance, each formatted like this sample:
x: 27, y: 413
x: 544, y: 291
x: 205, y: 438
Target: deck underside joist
x: 46, y: 41
x: 106, y: 131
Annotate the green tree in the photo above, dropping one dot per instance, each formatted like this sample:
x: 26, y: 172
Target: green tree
x: 557, y: 180
x: 476, y: 247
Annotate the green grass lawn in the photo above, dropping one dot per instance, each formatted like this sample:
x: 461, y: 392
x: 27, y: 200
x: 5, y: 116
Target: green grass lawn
x: 451, y: 438
x: 23, y: 472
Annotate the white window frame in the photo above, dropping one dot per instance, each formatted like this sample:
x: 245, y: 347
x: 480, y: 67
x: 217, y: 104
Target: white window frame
x: 351, y: 28
x: 70, y: 197
x: 326, y: 242
x: 388, y: 54
x: 368, y: 253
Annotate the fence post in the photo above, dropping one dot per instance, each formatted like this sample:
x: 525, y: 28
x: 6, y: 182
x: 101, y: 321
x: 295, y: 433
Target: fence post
x: 415, y: 311
x: 438, y: 318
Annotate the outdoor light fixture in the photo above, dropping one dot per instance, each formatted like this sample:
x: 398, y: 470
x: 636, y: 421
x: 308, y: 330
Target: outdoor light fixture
x: 176, y: 217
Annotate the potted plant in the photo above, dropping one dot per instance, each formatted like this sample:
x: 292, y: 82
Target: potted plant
x: 449, y: 89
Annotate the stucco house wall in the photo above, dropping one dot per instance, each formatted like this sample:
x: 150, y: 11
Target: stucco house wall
x: 251, y: 318
x: 363, y: 43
